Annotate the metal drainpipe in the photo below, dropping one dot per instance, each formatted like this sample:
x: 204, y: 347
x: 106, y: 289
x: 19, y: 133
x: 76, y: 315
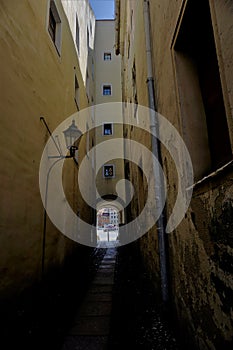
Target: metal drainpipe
x: 159, y: 184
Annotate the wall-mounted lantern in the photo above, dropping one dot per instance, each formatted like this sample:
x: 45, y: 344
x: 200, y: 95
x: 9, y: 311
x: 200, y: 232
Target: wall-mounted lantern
x: 71, y: 135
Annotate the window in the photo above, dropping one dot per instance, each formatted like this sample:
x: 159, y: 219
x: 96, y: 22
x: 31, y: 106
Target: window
x: 107, y: 90
x: 77, y: 39
x: 92, y: 70
x: 107, y: 129
x: 109, y: 171
x: 202, y: 108
x: 54, y: 26
x: 93, y: 156
x: 88, y: 86
x: 107, y: 56
x: 76, y: 96
x: 128, y: 54
x: 87, y: 140
x: 135, y: 96
x: 88, y: 38
x: 91, y: 28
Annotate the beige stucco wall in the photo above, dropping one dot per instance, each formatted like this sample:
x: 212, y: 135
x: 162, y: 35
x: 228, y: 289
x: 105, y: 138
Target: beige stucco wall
x: 35, y: 81
x: 200, y: 249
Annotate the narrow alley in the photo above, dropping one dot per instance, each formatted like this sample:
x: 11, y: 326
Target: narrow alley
x: 116, y: 196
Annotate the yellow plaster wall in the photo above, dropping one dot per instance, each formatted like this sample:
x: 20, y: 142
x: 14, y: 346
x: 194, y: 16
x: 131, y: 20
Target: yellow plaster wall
x: 35, y: 81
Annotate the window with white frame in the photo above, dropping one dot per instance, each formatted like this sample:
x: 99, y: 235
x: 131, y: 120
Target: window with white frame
x: 107, y: 56
x: 108, y: 171
x: 54, y: 26
x: 107, y: 90
x: 107, y: 129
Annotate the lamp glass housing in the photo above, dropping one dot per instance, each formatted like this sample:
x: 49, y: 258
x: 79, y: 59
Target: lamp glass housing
x: 71, y: 135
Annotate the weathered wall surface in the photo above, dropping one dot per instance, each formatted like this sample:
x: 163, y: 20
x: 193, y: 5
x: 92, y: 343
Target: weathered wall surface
x: 35, y: 81
x: 200, y: 248
x: 205, y: 256
x: 134, y: 91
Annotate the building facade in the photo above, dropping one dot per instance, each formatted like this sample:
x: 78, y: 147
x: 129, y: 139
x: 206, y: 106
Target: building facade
x: 190, y: 43
x: 108, y: 118
x: 107, y: 216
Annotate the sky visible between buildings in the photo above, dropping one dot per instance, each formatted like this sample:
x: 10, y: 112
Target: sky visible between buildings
x: 103, y: 9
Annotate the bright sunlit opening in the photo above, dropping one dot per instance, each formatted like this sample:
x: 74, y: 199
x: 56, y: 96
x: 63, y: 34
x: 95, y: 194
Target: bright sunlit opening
x: 107, y: 225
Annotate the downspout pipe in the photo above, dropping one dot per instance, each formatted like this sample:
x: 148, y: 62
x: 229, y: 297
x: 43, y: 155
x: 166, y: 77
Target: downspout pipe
x: 158, y: 176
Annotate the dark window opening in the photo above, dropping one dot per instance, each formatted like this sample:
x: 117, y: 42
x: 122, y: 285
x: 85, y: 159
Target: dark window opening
x: 107, y: 56
x: 108, y: 171
x: 210, y: 84
x: 77, y: 40
x: 107, y: 90
x: 76, y: 96
x: 88, y: 38
x: 196, y: 43
x: 135, y: 95
x: 108, y: 129
x: 52, y: 25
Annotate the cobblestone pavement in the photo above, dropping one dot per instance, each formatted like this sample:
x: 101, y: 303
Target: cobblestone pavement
x: 112, y: 305
x: 120, y: 309
x: 90, y: 326
x: 138, y: 319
